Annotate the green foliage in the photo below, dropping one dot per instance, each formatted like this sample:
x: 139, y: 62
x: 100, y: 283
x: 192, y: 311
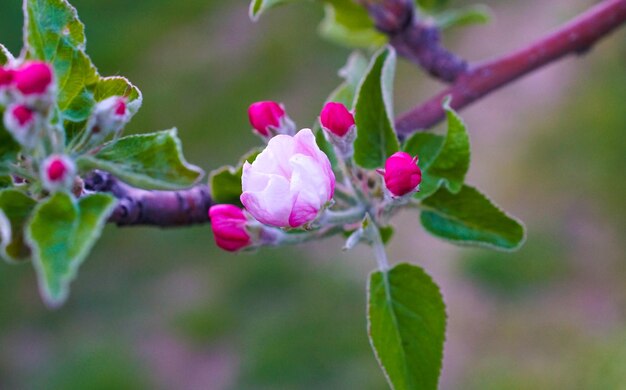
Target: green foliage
x: 431, y: 5
x: 348, y: 23
x: 466, y: 16
x: 376, y: 138
x: 61, y: 234
x: 5, y: 55
x: 407, y: 324
x: 151, y: 161
x: 352, y: 73
x: 470, y: 218
x: 225, y: 182
x: 15, y: 209
x: 257, y: 7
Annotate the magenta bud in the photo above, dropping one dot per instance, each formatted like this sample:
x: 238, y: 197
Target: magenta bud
x: 6, y: 77
x: 23, y: 115
x: 33, y: 78
x: 336, y: 119
x: 20, y: 121
x: 402, y: 175
x: 108, y: 117
x: 58, y: 172
x: 229, y: 227
x: 268, y: 118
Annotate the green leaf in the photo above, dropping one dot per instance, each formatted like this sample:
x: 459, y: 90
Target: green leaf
x: 407, y: 325
x: 225, y: 182
x: 473, y: 14
x: 151, y: 161
x: 8, y: 148
x: 426, y: 146
x: 257, y: 7
x: 431, y: 5
x: 61, y: 234
x: 376, y: 138
x: 53, y: 33
x: 347, y: 23
x: 352, y: 73
x: 5, y: 55
x: 470, y: 218
x: 15, y: 209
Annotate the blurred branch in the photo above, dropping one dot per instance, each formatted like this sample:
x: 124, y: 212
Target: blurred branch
x: 414, y: 39
x: 155, y: 208
x: 575, y: 37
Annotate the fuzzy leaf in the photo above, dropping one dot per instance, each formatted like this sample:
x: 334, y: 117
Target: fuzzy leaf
x: 407, y: 325
x: 5, y: 55
x: 225, y: 182
x: 119, y: 86
x: 151, y: 161
x: 347, y: 23
x: 376, y: 138
x: 470, y: 218
x: 431, y: 5
x: 257, y: 7
x: 15, y: 209
x: 61, y: 234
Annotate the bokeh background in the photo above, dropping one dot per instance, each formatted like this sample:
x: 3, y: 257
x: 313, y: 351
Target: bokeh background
x: 164, y: 309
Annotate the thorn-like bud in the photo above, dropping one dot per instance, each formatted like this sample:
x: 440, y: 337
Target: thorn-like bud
x: 108, y: 117
x: 269, y: 118
x: 21, y: 121
x: 33, y: 78
x: 402, y: 176
x: 339, y: 126
x: 57, y: 173
x: 229, y: 227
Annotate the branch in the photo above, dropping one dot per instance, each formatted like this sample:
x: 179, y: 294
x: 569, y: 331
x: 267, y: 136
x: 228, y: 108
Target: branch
x: 575, y: 37
x: 155, y: 208
x: 416, y: 40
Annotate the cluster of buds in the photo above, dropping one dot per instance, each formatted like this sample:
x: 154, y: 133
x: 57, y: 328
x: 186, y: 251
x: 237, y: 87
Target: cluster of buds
x: 291, y: 183
x: 108, y: 118
x: 27, y: 91
x: 58, y: 172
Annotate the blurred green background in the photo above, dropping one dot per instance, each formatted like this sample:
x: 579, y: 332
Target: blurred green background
x: 164, y: 309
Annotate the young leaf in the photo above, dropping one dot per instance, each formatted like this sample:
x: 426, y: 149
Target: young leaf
x: 61, y: 234
x: 151, y: 161
x: 431, y: 5
x: 5, y: 55
x: 257, y: 7
x: 53, y: 33
x: 8, y: 148
x: 352, y: 73
x: 347, y: 23
x: 15, y: 209
x: 473, y: 14
x: 407, y: 325
x: 442, y: 160
x: 225, y: 182
x: 470, y: 218
x: 119, y: 86
x: 376, y: 138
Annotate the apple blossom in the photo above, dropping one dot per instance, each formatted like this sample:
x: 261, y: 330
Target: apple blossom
x: 58, y: 172
x: 33, y: 78
x: 401, y: 174
x: 336, y: 119
x: 20, y: 121
x: 289, y: 182
x: 269, y: 118
x: 109, y: 116
x: 229, y: 227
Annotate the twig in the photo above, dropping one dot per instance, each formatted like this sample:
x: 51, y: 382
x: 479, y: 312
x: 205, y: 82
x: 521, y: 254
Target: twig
x: 575, y: 37
x: 155, y: 208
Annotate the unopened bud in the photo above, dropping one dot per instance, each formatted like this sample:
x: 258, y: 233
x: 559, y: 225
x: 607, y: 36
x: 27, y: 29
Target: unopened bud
x: 21, y: 121
x: 58, y: 172
x: 109, y: 116
x: 33, y: 78
x: 228, y: 223
x: 269, y: 119
x: 340, y: 129
x: 6, y: 77
x: 401, y: 174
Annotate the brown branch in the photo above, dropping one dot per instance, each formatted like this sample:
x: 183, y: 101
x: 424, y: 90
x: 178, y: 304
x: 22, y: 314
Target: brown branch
x: 155, y: 208
x: 575, y: 37
x: 416, y: 40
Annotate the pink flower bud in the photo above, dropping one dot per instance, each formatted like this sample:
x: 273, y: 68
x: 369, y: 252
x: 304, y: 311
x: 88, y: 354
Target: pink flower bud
x: 289, y: 182
x: 269, y: 118
x: 229, y: 227
x: 336, y: 119
x: 33, y: 78
x: 6, y: 77
x: 20, y: 121
x: 58, y: 172
x: 402, y: 175
x: 109, y: 116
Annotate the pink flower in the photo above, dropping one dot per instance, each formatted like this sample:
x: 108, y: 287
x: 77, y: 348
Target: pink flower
x: 109, y: 116
x: 402, y: 175
x: 336, y: 119
x: 289, y: 182
x: 6, y: 77
x: 269, y: 118
x: 33, y: 78
x: 229, y: 227
x: 58, y: 172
